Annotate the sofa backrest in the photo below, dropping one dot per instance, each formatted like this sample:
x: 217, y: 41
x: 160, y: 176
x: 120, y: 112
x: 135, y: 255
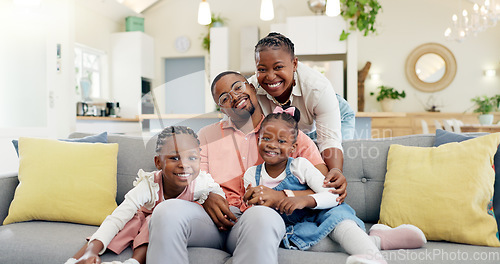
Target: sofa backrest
x: 365, y: 163
x: 365, y: 167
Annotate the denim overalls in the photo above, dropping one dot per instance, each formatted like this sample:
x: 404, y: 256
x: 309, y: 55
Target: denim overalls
x: 307, y: 226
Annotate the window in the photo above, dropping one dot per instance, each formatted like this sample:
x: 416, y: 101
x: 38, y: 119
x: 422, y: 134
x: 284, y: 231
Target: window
x: 88, y: 72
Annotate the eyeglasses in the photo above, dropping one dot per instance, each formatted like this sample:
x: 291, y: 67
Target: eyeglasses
x: 237, y: 88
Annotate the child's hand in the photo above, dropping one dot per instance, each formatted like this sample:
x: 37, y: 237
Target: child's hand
x: 262, y: 195
x: 87, y: 259
x: 91, y: 253
x: 248, y: 193
x: 290, y: 204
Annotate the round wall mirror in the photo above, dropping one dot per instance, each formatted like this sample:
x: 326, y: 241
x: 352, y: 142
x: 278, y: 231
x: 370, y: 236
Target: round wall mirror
x: 431, y: 67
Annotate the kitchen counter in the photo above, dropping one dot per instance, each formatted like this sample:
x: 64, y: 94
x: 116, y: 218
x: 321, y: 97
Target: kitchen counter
x: 107, y: 118
x: 211, y: 115
x: 112, y: 125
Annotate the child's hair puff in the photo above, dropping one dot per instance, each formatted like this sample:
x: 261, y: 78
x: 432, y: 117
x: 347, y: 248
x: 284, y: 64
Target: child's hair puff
x: 170, y: 132
x: 293, y: 121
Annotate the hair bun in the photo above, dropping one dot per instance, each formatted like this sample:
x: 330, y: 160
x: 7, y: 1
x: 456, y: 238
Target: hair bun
x: 296, y: 113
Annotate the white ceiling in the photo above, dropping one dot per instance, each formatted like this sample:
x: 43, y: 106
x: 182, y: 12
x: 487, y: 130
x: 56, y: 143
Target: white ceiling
x: 116, y: 10
x: 138, y: 5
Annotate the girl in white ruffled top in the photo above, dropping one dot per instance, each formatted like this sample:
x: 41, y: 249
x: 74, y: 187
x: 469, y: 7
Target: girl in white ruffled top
x: 179, y: 176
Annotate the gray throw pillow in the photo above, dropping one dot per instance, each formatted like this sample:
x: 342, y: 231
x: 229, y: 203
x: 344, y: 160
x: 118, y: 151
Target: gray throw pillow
x: 99, y: 138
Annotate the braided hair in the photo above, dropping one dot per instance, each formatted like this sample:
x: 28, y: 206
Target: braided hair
x: 292, y: 121
x: 170, y: 132
x: 275, y: 40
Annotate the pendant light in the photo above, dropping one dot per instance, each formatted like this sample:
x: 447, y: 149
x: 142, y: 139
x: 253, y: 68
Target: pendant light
x: 204, y: 14
x: 266, y: 10
x: 332, y: 8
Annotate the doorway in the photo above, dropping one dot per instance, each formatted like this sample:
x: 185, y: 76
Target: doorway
x: 185, y: 85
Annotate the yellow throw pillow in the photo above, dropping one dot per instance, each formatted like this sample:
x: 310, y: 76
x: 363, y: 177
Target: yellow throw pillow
x: 443, y: 190
x: 64, y: 181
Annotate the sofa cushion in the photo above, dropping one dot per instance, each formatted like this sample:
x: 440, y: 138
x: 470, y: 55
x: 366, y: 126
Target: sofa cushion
x: 445, y: 191
x: 64, y: 181
x: 365, y: 168
x: 443, y: 137
x: 134, y: 153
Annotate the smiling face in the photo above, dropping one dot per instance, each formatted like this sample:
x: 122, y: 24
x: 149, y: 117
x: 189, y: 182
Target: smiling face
x: 276, y: 142
x: 179, y: 160
x: 242, y: 105
x: 275, y: 68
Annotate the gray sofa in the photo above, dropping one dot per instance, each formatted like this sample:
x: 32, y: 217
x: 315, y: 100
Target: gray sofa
x: 365, y: 167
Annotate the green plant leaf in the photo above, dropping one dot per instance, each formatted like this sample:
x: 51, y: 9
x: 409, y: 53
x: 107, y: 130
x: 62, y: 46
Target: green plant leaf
x: 388, y: 92
x: 360, y: 14
x: 343, y: 35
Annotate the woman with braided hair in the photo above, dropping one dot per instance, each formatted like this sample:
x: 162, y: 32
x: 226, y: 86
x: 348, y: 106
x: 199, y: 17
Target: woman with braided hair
x: 178, y: 176
x: 281, y: 80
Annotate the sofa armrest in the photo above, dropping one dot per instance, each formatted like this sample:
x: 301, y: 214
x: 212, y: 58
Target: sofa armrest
x: 8, y: 186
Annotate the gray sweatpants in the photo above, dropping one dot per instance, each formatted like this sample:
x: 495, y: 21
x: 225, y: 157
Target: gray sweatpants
x: 177, y: 224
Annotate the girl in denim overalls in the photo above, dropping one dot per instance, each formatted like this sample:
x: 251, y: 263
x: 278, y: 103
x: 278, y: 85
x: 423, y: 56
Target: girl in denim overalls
x: 311, y: 218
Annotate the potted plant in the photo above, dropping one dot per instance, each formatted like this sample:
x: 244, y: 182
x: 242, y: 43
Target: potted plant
x: 386, y: 96
x: 360, y: 14
x: 485, y: 105
x: 217, y: 21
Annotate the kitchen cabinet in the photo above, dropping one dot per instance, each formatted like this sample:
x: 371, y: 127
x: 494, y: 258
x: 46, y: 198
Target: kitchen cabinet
x: 132, y: 60
x: 219, y: 51
x: 316, y: 35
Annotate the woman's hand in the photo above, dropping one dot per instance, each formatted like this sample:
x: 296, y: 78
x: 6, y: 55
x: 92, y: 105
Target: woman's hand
x: 334, y: 178
x: 218, y: 209
x: 290, y: 204
x: 262, y: 195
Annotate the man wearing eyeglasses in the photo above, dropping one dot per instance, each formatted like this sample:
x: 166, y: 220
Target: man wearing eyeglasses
x: 228, y: 148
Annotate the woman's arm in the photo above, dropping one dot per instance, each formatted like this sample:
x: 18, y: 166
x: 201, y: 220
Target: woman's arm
x: 335, y: 178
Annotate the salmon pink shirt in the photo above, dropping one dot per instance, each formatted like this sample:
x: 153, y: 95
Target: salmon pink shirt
x: 219, y: 156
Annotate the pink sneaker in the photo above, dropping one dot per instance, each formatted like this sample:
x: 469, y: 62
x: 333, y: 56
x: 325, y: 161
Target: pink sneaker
x: 401, y: 237
x: 365, y: 259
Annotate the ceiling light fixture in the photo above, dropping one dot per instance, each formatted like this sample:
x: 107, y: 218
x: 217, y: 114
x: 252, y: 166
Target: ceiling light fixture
x: 482, y: 17
x: 204, y: 14
x: 266, y: 10
x: 332, y: 8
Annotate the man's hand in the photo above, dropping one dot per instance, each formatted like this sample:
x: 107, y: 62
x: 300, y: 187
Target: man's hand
x: 218, y: 209
x: 262, y: 195
x: 334, y: 178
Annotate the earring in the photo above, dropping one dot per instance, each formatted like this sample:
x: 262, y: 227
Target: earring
x: 295, y: 76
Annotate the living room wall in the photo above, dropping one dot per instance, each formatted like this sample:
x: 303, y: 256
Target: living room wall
x: 36, y: 96
x: 405, y: 24
x: 93, y: 29
x: 402, y: 26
